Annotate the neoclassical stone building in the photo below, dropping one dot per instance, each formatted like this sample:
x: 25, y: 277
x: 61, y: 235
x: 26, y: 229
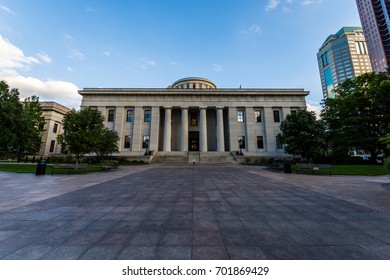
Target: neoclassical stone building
x: 193, y: 115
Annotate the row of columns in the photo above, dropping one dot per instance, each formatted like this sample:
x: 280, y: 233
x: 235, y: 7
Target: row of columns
x: 184, y: 130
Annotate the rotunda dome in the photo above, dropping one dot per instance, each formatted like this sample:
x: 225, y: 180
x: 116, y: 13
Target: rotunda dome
x: 193, y: 83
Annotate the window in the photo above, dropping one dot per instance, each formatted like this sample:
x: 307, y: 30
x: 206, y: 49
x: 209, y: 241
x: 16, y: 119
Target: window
x: 129, y: 116
x: 276, y: 116
x: 127, y: 143
x: 55, y: 128
x: 278, y: 144
x: 52, y: 144
x: 240, y: 116
x: 147, y: 116
x: 111, y: 115
x: 257, y: 115
x: 293, y: 112
x: 260, y: 142
x: 146, y: 138
x: 324, y: 59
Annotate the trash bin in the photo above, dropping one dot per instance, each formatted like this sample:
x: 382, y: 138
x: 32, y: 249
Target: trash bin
x: 287, y: 167
x: 41, y: 167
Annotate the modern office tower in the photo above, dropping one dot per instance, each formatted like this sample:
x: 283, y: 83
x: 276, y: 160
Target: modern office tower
x: 343, y: 55
x: 374, y: 15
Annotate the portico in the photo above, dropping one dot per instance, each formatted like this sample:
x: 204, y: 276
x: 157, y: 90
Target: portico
x: 193, y: 115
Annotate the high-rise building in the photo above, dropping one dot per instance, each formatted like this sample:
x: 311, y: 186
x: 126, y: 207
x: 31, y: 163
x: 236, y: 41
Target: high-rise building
x: 374, y: 15
x: 343, y: 55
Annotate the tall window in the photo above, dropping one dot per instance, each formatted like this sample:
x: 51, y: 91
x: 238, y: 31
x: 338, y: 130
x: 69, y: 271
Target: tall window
x: 52, y: 144
x: 111, y: 115
x: 129, y: 116
x: 257, y: 116
x: 127, y: 143
x: 240, y: 116
x: 325, y: 60
x: 260, y: 142
x: 276, y: 116
x: 147, y: 116
x: 55, y: 128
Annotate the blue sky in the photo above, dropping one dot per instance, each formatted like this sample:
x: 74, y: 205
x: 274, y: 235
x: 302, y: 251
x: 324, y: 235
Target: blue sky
x: 52, y: 48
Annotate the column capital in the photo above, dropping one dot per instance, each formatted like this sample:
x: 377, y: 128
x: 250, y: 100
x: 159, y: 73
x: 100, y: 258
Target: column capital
x: 168, y: 107
x: 220, y: 107
x: 185, y: 108
x: 202, y: 107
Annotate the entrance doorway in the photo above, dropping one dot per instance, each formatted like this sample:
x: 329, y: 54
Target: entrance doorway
x: 193, y: 138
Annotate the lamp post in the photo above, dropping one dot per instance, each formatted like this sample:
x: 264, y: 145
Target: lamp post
x: 147, y: 147
x: 240, y: 142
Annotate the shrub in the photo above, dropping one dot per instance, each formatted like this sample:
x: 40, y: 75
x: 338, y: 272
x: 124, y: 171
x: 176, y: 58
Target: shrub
x: 386, y: 163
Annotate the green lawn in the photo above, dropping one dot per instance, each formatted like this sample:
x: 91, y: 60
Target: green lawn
x: 367, y: 170
x: 31, y: 168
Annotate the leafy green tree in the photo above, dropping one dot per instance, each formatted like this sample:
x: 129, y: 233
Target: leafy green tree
x: 29, y: 130
x: 84, y: 133
x: 10, y: 111
x: 359, y: 115
x: 303, y: 135
x: 106, y: 143
x: 21, y: 123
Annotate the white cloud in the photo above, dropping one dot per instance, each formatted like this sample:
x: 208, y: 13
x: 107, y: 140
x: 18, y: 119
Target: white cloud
x: 70, y: 69
x: 8, y: 10
x: 44, y: 57
x: 68, y: 37
x: 76, y: 54
x: 307, y: 2
x: 13, y: 57
x: 217, y: 67
x: 272, y: 4
x: 13, y: 60
x: 314, y: 106
x: 255, y: 28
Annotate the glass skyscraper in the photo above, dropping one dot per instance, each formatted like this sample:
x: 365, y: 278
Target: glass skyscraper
x: 374, y: 15
x: 343, y: 55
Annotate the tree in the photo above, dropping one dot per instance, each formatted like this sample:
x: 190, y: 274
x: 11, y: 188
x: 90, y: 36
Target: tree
x: 21, y: 123
x: 303, y: 135
x: 10, y: 111
x: 84, y: 133
x: 359, y: 115
x: 106, y: 143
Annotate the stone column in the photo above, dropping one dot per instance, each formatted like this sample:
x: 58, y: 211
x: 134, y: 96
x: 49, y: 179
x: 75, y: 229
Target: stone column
x: 184, y: 130
x: 154, y: 129
x: 119, y: 116
x: 233, y: 129
x: 220, y: 134
x: 270, y: 135
x: 167, y: 129
x: 250, y: 131
x: 137, y: 129
x: 203, y: 130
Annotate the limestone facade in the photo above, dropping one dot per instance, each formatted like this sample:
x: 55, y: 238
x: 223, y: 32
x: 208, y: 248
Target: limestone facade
x: 194, y: 115
x: 53, y: 114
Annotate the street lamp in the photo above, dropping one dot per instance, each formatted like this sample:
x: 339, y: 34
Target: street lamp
x: 147, y: 147
x: 240, y: 143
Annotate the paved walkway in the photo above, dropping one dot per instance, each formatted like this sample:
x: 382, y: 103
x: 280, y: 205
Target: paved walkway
x: 194, y: 212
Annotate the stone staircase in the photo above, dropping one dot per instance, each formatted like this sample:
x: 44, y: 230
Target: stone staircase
x: 194, y: 158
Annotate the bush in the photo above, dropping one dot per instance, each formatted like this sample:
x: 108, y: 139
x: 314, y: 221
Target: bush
x: 386, y: 163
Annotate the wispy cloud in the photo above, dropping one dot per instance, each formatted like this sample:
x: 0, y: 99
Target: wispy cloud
x: 8, y: 10
x: 13, y: 60
x: 69, y: 69
x: 44, y: 57
x: 307, y: 2
x: 68, y: 37
x: 272, y: 5
x: 217, y: 67
x: 76, y: 54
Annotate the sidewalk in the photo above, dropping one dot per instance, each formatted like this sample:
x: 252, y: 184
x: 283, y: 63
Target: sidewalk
x: 194, y: 212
